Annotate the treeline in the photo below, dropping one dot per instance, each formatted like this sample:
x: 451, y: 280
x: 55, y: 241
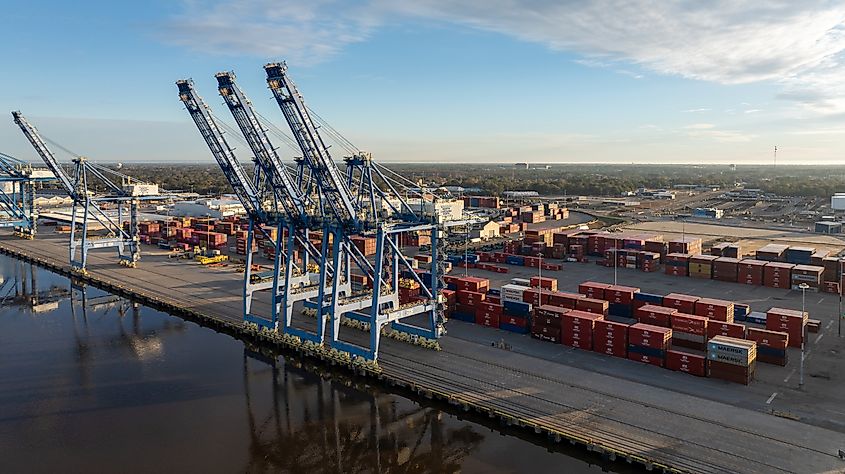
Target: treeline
x: 557, y: 180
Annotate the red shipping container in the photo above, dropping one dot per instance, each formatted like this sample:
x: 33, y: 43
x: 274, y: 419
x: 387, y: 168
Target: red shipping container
x: 689, y: 323
x: 658, y: 361
x: 547, y: 335
x: 750, y: 272
x: 719, y: 328
x: 592, y: 305
x: 513, y: 320
x: 766, y: 338
x: 536, y: 297
x: 646, y: 335
x: 470, y: 297
x: 487, y: 319
x: 592, y: 289
x: 787, y: 320
x: 684, y: 362
x: 544, y: 282
x: 683, y: 303
x: 490, y: 307
x: 577, y: 329
x: 620, y: 294
x: 610, y: 338
x: 564, y: 300
x: 719, y: 310
x: 655, y: 315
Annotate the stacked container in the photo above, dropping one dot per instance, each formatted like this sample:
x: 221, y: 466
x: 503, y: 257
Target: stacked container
x: 655, y: 315
x: 750, y: 272
x: 564, y: 300
x: 778, y: 275
x: 731, y: 359
x: 720, y: 328
x: 683, y: 303
x: 488, y: 313
x: 809, y: 274
x: 647, y: 343
x: 677, y: 264
x: 789, y: 321
x: 545, y: 283
x: 689, y: 330
x: 592, y: 305
x: 592, y: 289
x: 701, y: 266
x: 577, y: 329
x: 771, y: 345
x: 772, y: 253
x: 712, y: 308
x: 726, y: 269
x: 547, y: 323
x: 690, y: 245
x: 610, y: 338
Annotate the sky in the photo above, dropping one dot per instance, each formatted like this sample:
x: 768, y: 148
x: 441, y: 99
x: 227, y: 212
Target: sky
x: 498, y: 81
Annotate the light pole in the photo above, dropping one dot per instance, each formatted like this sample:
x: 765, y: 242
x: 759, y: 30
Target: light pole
x: 803, y: 287
x: 615, y: 258
x: 540, y: 268
x: 466, y: 253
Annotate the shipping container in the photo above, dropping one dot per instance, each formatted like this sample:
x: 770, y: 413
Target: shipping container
x: 655, y: 315
x: 683, y: 303
x: 692, y: 364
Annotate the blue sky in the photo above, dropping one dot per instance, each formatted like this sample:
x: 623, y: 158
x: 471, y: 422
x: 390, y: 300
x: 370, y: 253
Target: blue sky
x: 429, y: 80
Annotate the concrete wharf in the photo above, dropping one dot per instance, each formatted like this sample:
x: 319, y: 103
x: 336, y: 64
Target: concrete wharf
x: 622, y: 410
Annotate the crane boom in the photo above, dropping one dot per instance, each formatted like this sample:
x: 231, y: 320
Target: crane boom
x: 330, y: 182
x: 245, y: 116
x: 223, y: 153
x: 47, y: 155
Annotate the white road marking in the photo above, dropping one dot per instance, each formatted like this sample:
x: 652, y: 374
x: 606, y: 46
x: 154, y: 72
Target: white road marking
x: 769, y: 401
x: 789, y: 376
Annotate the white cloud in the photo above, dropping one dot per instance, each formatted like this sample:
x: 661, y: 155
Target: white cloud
x: 709, y: 131
x: 796, y: 44
x: 700, y: 126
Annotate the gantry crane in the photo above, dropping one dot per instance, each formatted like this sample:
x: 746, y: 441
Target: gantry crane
x: 344, y: 214
x: 261, y: 210
x: 18, y: 181
x: 319, y: 197
x: 92, y: 192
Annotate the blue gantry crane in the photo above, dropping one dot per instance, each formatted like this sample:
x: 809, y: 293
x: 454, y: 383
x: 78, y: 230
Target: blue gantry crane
x: 345, y: 214
x: 316, y: 196
x: 18, y: 181
x: 93, y: 189
x: 265, y: 202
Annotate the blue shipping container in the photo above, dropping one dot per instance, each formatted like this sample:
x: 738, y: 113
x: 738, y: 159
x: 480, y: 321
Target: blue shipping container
x: 619, y: 309
x: 649, y: 298
x: 470, y: 318
x: 771, y: 351
x: 756, y: 317
x: 517, y: 308
x: 513, y: 328
x: 649, y: 351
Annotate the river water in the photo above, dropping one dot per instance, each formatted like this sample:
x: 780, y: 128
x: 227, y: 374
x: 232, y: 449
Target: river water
x: 93, y: 383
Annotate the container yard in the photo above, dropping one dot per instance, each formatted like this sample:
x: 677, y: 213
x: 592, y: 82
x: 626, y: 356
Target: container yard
x: 637, y: 383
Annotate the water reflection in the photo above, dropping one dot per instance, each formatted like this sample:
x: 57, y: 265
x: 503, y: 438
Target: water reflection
x: 102, y: 384
x: 325, y: 426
